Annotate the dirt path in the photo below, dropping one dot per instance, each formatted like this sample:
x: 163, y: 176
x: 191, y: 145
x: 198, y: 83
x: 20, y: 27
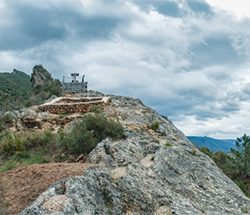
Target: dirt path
x: 22, y: 185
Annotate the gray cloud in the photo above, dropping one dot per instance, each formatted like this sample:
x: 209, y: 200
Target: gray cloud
x: 180, y: 57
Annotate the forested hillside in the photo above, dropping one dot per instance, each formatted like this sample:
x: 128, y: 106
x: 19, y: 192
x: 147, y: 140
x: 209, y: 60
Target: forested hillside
x: 213, y: 144
x: 15, y: 87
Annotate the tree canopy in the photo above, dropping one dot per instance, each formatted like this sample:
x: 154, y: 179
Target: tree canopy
x: 241, y: 156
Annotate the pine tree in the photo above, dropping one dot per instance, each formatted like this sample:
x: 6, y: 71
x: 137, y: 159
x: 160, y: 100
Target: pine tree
x: 241, y: 159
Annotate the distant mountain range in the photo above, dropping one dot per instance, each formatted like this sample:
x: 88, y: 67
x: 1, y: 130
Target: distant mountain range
x: 213, y: 144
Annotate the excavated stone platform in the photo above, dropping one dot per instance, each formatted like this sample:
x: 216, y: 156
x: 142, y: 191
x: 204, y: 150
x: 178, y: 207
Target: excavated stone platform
x: 63, y: 105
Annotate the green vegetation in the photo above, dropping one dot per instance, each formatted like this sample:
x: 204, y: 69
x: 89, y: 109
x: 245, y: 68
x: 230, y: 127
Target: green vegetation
x: 244, y: 210
x: 24, y: 148
x: 61, y: 116
x: 86, y: 134
x: 96, y: 109
x: 16, y: 91
x: 168, y: 144
x: 15, y: 88
x: 193, y: 151
x: 241, y: 156
x: 6, y: 121
x: 235, y: 165
x: 155, y: 125
x: 43, y: 92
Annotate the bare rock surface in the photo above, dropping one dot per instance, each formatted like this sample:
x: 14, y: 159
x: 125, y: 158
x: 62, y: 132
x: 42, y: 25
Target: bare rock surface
x: 139, y: 174
x: 40, y: 76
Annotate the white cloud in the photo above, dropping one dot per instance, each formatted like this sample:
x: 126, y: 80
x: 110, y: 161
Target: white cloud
x: 239, y: 7
x: 190, y: 63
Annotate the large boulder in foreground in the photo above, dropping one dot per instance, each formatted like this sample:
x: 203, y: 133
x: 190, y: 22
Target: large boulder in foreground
x: 141, y: 174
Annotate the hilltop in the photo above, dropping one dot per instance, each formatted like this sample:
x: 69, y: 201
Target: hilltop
x: 139, y: 162
x: 152, y: 169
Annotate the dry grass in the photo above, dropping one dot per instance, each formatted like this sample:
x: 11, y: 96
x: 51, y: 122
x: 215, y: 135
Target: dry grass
x: 3, y: 209
x: 24, y: 184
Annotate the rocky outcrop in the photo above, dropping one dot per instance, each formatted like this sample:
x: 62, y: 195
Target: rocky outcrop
x: 40, y: 76
x: 141, y: 174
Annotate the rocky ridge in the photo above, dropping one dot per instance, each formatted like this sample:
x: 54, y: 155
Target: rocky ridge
x: 141, y: 174
x: 40, y: 76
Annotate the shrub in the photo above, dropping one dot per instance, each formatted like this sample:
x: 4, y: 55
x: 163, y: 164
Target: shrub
x: 193, y: 151
x: 61, y: 116
x: 244, y: 210
x: 10, y: 144
x: 37, y: 89
x: 79, y: 140
x: 8, y: 118
x: 53, y: 88
x: 35, y: 139
x: 242, y: 185
x: 155, y: 125
x: 109, y: 101
x: 96, y: 109
x: 168, y: 144
x: 206, y: 151
x: 220, y: 158
x: 21, y: 155
x: 86, y: 134
x: 102, y: 127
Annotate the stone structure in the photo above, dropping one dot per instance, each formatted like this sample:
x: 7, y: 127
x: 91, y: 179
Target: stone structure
x: 73, y: 105
x: 75, y: 86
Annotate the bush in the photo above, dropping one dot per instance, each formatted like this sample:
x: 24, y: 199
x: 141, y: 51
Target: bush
x: 8, y: 118
x: 23, y: 142
x: 79, y: 140
x: 10, y: 144
x: 36, y: 139
x: 86, y: 134
x: 102, y: 127
x: 155, y: 125
x: 168, y: 144
x: 21, y: 155
x: 53, y: 88
x: 220, y: 158
x: 96, y: 109
x: 193, y: 151
x: 206, y: 151
x: 242, y: 185
x: 244, y: 210
x: 61, y: 116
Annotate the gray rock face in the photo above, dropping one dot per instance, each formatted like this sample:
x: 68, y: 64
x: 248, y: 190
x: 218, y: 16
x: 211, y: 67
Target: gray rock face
x: 141, y: 175
x: 40, y: 76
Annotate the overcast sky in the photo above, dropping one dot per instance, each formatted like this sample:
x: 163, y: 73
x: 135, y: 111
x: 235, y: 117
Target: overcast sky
x: 187, y: 59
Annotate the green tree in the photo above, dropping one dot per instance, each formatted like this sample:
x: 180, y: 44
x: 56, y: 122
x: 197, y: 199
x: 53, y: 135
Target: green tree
x: 241, y: 159
x: 221, y: 159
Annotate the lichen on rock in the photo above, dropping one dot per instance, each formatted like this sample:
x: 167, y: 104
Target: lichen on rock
x: 140, y: 175
x: 40, y: 76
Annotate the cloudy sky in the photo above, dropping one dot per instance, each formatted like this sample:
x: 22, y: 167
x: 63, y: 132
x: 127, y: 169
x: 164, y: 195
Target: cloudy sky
x: 187, y: 59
